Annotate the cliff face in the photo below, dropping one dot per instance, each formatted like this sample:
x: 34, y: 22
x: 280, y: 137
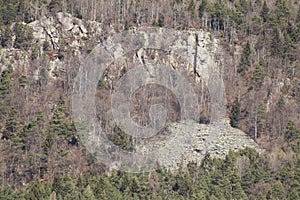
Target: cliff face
x: 201, y: 64
x: 62, y: 45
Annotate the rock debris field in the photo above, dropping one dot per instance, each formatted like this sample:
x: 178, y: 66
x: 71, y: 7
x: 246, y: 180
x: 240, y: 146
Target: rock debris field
x: 189, y: 141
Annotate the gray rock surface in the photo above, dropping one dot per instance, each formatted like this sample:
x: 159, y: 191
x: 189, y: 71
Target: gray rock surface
x: 189, y: 141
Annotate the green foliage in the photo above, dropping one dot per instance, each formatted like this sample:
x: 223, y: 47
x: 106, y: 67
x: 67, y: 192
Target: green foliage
x: 245, y: 59
x: 48, y: 142
x: 64, y: 187
x: 294, y: 190
x: 258, y: 75
x: 88, y: 194
x: 121, y: 139
x: 38, y: 190
x: 61, y: 125
x: 12, y: 130
x: 101, y: 83
x: 23, y: 81
x: 292, y: 136
x: 24, y: 36
x: 7, y: 193
x: 257, y: 23
x: 278, y: 190
x: 280, y: 103
x: 250, y: 153
x: 217, y: 9
x: 8, y: 10
x: 213, y: 179
x: 282, y: 11
x: 235, y: 113
x: 237, y: 18
x: 242, y: 6
x: 5, y: 82
x: 5, y: 38
x: 292, y: 132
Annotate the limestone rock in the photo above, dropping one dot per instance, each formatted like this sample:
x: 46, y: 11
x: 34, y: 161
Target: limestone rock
x: 189, y: 141
x: 66, y: 20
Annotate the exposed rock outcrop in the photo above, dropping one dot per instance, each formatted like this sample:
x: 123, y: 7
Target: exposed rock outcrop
x: 62, y: 27
x: 186, y: 141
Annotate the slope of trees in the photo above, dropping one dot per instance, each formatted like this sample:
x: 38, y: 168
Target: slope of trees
x: 241, y: 175
x: 42, y: 157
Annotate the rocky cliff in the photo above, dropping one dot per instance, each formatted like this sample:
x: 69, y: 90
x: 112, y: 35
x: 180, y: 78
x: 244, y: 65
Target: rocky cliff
x: 196, y: 54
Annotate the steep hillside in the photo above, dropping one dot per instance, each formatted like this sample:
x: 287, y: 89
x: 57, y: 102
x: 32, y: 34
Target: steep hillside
x: 240, y: 57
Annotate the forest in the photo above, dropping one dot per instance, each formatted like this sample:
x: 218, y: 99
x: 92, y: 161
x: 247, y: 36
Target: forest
x: 42, y: 156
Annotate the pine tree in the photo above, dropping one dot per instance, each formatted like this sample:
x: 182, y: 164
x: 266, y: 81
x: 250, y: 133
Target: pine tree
x: 245, y: 59
x: 237, y: 191
x: 121, y: 139
x: 235, y: 113
x: 37, y: 190
x: 6, y: 34
x: 24, y: 36
x: 88, y: 194
x: 64, y: 187
x: 294, y: 190
x: 258, y: 76
x: 7, y: 193
x: 292, y: 132
x: 13, y: 130
x: 276, y: 44
x: 278, y: 190
x: 5, y: 83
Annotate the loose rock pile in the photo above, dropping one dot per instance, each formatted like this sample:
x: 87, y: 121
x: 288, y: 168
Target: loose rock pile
x: 189, y: 141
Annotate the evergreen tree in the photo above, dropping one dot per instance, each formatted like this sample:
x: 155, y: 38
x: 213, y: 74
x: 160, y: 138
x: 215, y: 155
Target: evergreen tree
x: 237, y: 190
x: 276, y: 44
x: 88, y: 194
x: 61, y: 125
x: 13, y: 131
x: 121, y: 139
x: 245, y: 59
x: 5, y: 38
x: 7, y: 193
x: 278, y: 190
x: 37, y: 190
x: 64, y: 187
x: 5, y: 82
x: 24, y: 36
x: 292, y: 132
x: 235, y: 113
x: 258, y: 75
